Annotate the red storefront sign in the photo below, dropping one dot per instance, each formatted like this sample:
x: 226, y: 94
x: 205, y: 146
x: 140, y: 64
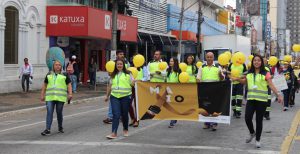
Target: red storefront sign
x: 238, y: 22
x: 82, y: 21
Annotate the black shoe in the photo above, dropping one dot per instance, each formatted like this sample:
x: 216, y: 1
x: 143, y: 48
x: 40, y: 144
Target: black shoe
x: 234, y: 113
x: 268, y: 118
x: 46, y: 132
x: 238, y: 115
x: 107, y: 121
x: 61, y: 130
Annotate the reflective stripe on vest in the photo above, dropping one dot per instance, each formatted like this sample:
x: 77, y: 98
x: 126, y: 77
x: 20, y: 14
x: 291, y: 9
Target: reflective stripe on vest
x: 210, y: 73
x: 56, y: 89
x: 258, y: 90
x: 153, y: 67
x: 191, y: 73
x: 121, y: 85
x: 240, y: 68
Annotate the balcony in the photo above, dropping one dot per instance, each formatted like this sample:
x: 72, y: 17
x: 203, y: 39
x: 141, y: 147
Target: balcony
x: 100, y: 4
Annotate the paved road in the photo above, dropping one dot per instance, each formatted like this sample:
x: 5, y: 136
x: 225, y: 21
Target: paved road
x: 85, y: 133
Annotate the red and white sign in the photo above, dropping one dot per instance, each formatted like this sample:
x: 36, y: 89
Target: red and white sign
x: 82, y: 21
x: 238, y: 22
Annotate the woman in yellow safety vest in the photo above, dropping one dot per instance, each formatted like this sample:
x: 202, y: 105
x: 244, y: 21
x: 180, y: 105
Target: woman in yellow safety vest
x: 55, y: 92
x: 172, y: 77
x: 119, y: 92
x: 257, y: 80
x: 191, y: 68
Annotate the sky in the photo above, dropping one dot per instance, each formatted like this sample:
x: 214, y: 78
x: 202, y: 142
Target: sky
x: 230, y: 2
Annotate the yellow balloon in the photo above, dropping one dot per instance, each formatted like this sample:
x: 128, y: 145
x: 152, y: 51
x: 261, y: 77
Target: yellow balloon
x: 296, y: 47
x: 228, y: 53
x: 223, y: 59
x: 162, y: 65
x: 110, y: 66
x: 273, y: 61
x: 235, y: 73
x: 199, y: 64
x: 250, y: 57
x: 249, y: 65
x: 138, y: 60
x: 183, y: 67
x: 133, y: 71
x: 287, y: 58
x: 238, y: 59
x: 184, y: 77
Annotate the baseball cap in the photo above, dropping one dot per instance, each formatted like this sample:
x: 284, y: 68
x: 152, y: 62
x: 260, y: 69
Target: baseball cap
x: 73, y: 57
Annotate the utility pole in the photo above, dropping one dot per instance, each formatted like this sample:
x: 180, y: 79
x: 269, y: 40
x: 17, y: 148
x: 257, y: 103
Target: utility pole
x: 114, y: 29
x: 180, y: 31
x: 200, y: 20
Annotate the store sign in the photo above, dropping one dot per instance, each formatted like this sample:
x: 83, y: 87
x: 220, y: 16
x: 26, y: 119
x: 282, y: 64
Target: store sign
x: 82, y: 21
x: 268, y: 30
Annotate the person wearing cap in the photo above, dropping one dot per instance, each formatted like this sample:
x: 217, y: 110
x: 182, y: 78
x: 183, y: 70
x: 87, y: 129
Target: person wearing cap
x: 56, y: 91
x: 73, y: 72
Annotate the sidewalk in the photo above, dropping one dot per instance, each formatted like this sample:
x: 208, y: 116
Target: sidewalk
x: 19, y: 100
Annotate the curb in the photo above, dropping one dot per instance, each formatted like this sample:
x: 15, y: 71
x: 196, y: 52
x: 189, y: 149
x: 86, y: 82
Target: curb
x: 21, y: 111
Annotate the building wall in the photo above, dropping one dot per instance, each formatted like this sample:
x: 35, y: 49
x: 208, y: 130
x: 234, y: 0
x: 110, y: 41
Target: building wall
x: 273, y: 18
x: 293, y: 18
x: 32, y: 43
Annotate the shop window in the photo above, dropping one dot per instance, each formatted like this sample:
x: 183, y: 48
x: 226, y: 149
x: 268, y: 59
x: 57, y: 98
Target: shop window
x: 11, y: 35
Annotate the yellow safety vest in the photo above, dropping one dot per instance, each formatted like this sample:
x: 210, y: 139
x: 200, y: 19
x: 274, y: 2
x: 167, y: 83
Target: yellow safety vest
x: 257, y: 87
x: 192, y: 74
x: 210, y: 73
x: 121, y: 85
x: 57, y: 88
x: 240, y: 68
x: 173, y: 77
x: 153, y: 67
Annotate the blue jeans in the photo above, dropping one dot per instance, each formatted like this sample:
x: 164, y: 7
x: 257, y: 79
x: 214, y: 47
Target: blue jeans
x: 74, y: 82
x: 110, y: 114
x: 120, y: 107
x: 92, y: 76
x: 50, y: 109
x: 173, y: 122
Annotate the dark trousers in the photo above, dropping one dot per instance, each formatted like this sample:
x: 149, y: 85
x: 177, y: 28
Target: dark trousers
x: 260, y: 108
x: 25, y: 77
x: 50, y: 109
x: 292, y: 96
x: 132, y: 107
x: 120, y: 107
x: 268, y: 110
x: 92, y: 76
x: 286, y: 96
x: 237, y: 97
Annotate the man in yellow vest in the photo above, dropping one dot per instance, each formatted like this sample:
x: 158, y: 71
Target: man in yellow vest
x: 210, y: 72
x: 237, y: 90
x: 153, y: 71
x: 56, y: 91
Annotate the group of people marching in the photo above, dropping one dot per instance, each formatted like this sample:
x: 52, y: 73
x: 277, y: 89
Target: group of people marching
x: 254, y: 83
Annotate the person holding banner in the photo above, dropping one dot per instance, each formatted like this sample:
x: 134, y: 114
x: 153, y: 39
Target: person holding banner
x: 172, y: 77
x: 210, y: 72
x: 119, y: 91
x: 257, y: 80
x: 191, y: 68
x: 154, y: 73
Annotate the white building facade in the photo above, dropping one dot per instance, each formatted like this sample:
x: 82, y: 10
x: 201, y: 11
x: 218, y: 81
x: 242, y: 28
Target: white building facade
x: 22, y: 35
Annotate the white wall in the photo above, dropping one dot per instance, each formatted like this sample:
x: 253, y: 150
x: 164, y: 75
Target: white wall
x: 33, y: 43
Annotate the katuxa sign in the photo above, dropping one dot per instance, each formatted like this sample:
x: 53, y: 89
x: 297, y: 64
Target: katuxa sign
x: 82, y: 21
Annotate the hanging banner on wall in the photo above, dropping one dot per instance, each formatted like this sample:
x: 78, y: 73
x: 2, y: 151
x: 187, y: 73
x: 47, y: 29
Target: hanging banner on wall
x: 191, y: 102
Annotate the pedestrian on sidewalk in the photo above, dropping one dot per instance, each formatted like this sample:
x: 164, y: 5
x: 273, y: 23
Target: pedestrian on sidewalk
x: 119, y: 92
x: 92, y: 69
x: 210, y: 72
x: 257, y: 80
x: 73, y: 71
x: 288, y: 73
x: 26, y: 72
x: 56, y: 91
x: 173, y: 72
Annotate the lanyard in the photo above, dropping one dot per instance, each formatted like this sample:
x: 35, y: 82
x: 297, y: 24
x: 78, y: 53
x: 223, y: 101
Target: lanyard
x: 54, y: 79
x: 254, y: 78
x: 118, y: 78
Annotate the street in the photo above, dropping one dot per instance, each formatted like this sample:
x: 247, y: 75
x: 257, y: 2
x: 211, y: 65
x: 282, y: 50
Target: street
x: 85, y: 133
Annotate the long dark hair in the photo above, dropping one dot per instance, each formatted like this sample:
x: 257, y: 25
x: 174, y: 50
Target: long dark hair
x: 193, y: 63
x: 262, y: 67
x: 175, y: 67
x: 116, y: 71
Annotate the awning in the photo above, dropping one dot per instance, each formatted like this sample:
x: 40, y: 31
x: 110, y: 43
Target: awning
x: 155, y: 38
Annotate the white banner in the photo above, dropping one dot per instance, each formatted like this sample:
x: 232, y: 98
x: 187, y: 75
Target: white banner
x: 280, y: 82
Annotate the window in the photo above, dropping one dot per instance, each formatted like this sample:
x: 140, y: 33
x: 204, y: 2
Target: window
x: 11, y: 35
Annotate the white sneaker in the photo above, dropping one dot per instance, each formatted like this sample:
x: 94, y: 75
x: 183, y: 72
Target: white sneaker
x: 285, y: 108
x: 257, y: 144
x: 251, y: 136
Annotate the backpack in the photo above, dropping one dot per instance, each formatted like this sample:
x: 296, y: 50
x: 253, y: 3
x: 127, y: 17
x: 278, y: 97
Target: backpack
x: 70, y: 68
